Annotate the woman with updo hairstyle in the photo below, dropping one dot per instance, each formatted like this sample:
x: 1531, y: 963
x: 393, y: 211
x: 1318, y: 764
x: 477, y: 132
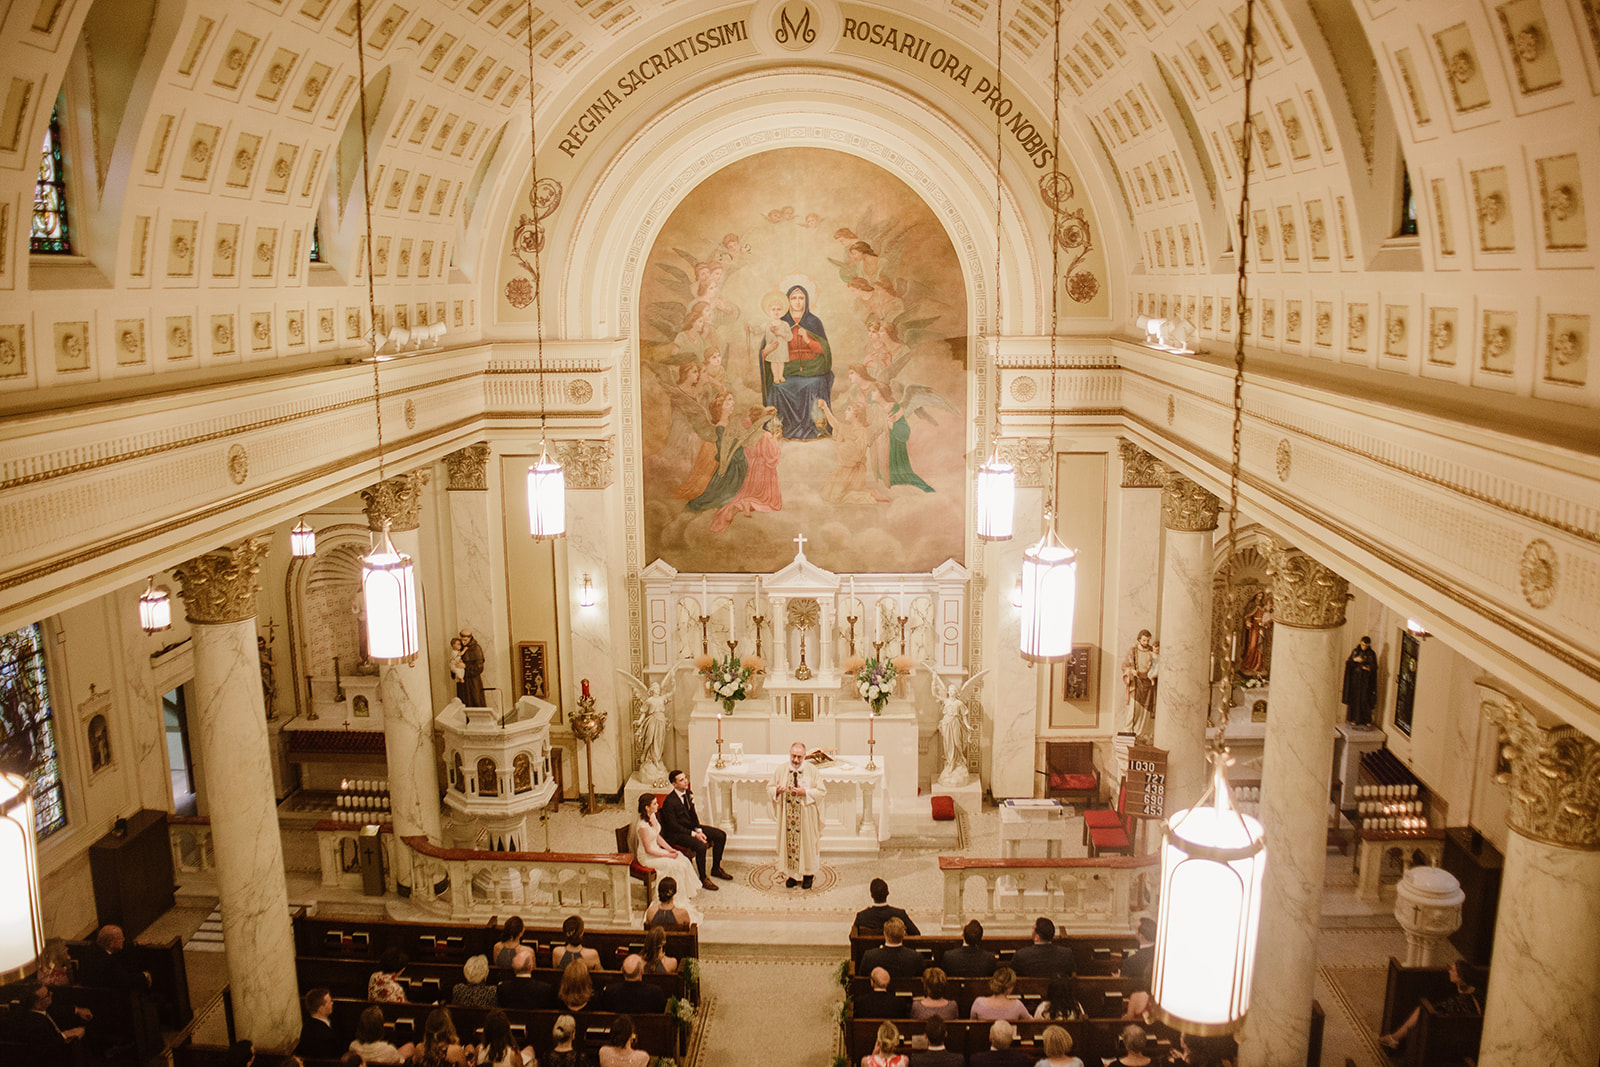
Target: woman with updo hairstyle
x: 1001, y: 1003
x: 884, y: 1052
x: 1133, y: 1040
x: 665, y: 911
x: 563, y: 1054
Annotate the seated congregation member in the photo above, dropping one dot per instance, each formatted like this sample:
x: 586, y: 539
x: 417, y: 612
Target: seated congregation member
x: 1466, y: 1000
x: 499, y: 1048
x: 564, y: 1034
x: 619, y: 1049
x: 933, y: 1003
x: 104, y: 965
x: 873, y: 918
x: 505, y: 950
x: 55, y: 970
x: 1205, y: 1051
x: 664, y: 910
x: 1133, y: 1041
x: 878, y: 1002
x: 968, y: 959
x: 440, y: 1045
x: 475, y: 992
x: 893, y: 956
x: 39, y: 1032
x: 656, y: 960
x: 1001, y: 1003
x: 1142, y: 960
x: 1058, y: 1049
x: 572, y: 934
x: 576, y: 989
x: 317, y: 1037
x: 633, y: 995
x: 1044, y: 958
x: 1059, y: 1001
x: 385, y: 985
x: 886, y: 1049
x: 522, y: 990
x: 372, y: 1040
x: 936, y: 1055
x: 239, y: 1054
x: 1000, y: 1052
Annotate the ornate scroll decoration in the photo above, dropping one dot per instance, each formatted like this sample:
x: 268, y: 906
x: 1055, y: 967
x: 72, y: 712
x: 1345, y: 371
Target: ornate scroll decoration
x: 398, y: 499
x: 588, y: 463
x: 1031, y: 458
x: 220, y: 586
x: 468, y: 468
x: 1304, y: 592
x: 1184, y: 505
x: 1140, y: 470
x: 1284, y: 459
x: 1537, y: 572
x: 1554, y: 777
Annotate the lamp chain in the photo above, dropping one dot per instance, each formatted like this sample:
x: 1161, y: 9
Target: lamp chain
x: 538, y: 230
x: 366, y: 198
x: 997, y: 318
x: 1055, y: 255
x: 1247, y: 136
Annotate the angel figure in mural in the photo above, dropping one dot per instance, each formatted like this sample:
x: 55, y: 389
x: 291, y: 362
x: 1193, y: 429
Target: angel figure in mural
x: 651, y: 726
x: 853, y: 441
x: 955, y: 723
x: 760, y: 441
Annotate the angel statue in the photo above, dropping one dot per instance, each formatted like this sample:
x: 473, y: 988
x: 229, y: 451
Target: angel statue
x: 650, y: 727
x: 954, y: 723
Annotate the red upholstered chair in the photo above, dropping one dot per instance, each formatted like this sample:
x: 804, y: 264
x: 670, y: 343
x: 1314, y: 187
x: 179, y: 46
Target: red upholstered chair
x: 1117, y: 839
x: 1069, y: 771
x: 1105, y: 818
x: 647, y: 875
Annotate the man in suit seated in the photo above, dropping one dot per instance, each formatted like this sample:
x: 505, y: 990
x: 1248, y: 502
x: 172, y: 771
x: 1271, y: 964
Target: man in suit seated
x: 935, y: 1055
x: 35, y: 1029
x: 317, y: 1039
x: 1000, y: 1052
x: 968, y: 960
x: 873, y: 918
x: 1140, y: 962
x: 680, y: 826
x: 1044, y: 958
x: 893, y: 956
x: 879, y: 1003
x: 522, y: 989
x: 632, y: 995
x: 103, y: 963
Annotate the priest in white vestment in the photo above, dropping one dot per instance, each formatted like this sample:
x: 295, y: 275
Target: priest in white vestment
x: 796, y: 787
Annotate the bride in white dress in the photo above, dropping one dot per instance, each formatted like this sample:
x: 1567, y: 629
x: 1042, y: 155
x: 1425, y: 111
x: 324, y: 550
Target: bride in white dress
x: 655, y: 853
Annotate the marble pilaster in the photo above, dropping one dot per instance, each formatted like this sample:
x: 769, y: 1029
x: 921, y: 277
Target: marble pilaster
x: 219, y: 593
x: 1543, y: 1001
x: 1014, y: 707
x: 1138, y: 558
x: 1189, y: 521
x: 404, y: 688
x: 1296, y: 775
x: 780, y: 651
x: 477, y: 558
x: 599, y: 634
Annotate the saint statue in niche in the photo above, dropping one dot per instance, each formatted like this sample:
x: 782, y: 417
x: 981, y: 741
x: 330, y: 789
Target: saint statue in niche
x: 99, y: 743
x: 1255, y: 636
x: 488, y: 778
x: 521, y: 773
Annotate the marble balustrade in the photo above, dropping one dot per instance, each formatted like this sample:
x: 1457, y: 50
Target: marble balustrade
x: 537, y: 885
x: 190, y: 839
x: 1081, y: 895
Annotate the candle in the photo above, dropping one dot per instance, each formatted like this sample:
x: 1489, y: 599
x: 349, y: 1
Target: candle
x: 719, y: 726
x: 872, y: 722
x: 758, y: 594
x: 730, y: 618
x: 704, y: 603
x: 902, y: 598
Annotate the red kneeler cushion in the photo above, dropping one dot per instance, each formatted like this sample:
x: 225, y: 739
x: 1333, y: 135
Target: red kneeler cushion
x: 1108, y: 837
x: 1073, y: 781
x: 944, y: 808
x: 1101, y: 818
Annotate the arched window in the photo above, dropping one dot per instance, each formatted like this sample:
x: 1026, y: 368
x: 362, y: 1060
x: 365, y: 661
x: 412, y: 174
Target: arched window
x: 316, y: 241
x: 49, y: 234
x: 1408, y: 205
x: 27, y: 732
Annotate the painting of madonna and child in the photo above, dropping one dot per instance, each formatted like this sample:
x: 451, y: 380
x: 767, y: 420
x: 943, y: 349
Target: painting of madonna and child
x: 803, y: 347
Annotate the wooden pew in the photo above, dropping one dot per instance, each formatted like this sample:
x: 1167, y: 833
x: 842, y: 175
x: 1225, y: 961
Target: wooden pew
x: 1093, y: 953
x: 431, y: 982
x: 445, y: 943
x: 1102, y: 996
x: 656, y: 1034
x: 169, y: 978
x: 1093, y: 1040
x: 1405, y: 989
x: 1443, y: 1040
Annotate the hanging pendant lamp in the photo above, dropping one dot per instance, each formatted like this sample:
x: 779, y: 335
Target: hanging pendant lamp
x: 155, y: 609
x: 302, y: 540
x: 389, y: 593
x: 21, y: 905
x: 547, y: 497
x: 547, y: 482
x: 1049, y: 595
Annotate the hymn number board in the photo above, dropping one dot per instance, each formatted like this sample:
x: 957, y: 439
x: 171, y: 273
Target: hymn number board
x: 1147, y: 782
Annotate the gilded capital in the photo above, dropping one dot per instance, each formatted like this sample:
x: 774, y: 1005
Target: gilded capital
x: 1304, y: 592
x: 1140, y: 470
x: 1554, y: 777
x: 1185, y: 505
x: 587, y: 463
x: 1030, y: 457
x: 468, y: 468
x: 220, y: 586
x: 398, y: 499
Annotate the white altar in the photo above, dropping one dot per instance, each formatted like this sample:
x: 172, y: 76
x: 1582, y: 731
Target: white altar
x: 852, y: 815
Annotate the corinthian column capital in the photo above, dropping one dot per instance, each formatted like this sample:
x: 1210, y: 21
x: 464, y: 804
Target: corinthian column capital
x: 220, y: 586
x: 398, y: 499
x: 1304, y: 592
x: 1140, y: 470
x: 1554, y: 776
x: 468, y: 468
x: 1186, y: 506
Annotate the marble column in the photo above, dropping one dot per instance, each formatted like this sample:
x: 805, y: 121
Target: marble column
x: 599, y: 635
x: 1017, y: 686
x: 1188, y: 519
x: 219, y: 595
x: 1296, y: 776
x: 1543, y: 1001
x: 1138, y: 541
x: 404, y: 688
x: 477, y: 559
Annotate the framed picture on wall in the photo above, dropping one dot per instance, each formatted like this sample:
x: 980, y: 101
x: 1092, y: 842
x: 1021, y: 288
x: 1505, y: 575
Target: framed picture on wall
x: 1075, y: 689
x: 1405, y: 686
x: 532, y: 670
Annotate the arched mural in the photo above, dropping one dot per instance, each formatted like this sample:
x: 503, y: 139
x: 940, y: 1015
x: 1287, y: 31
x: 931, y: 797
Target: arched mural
x: 803, y: 350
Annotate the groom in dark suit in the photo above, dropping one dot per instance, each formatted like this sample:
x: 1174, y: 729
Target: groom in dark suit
x: 681, y: 828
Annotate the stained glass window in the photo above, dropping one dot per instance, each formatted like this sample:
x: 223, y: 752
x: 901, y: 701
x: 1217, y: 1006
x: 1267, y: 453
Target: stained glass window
x: 50, y: 196
x: 1408, y: 205
x: 27, y: 733
x: 316, y: 241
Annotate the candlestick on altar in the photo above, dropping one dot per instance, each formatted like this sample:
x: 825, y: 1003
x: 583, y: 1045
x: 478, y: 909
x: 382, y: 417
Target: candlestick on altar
x: 851, y: 619
x: 720, y: 764
x: 730, y: 615
x: 733, y: 647
x: 877, y: 650
x: 903, y: 619
x: 759, y: 620
x: 705, y: 638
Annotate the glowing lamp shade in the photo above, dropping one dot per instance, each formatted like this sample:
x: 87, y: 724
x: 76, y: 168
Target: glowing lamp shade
x: 547, y: 498
x: 586, y: 593
x: 155, y: 609
x: 389, y: 591
x: 1212, y: 862
x: 997, y: 494
x: 1049, y: 595
x: 302, y: 540
x: 21, y: 934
